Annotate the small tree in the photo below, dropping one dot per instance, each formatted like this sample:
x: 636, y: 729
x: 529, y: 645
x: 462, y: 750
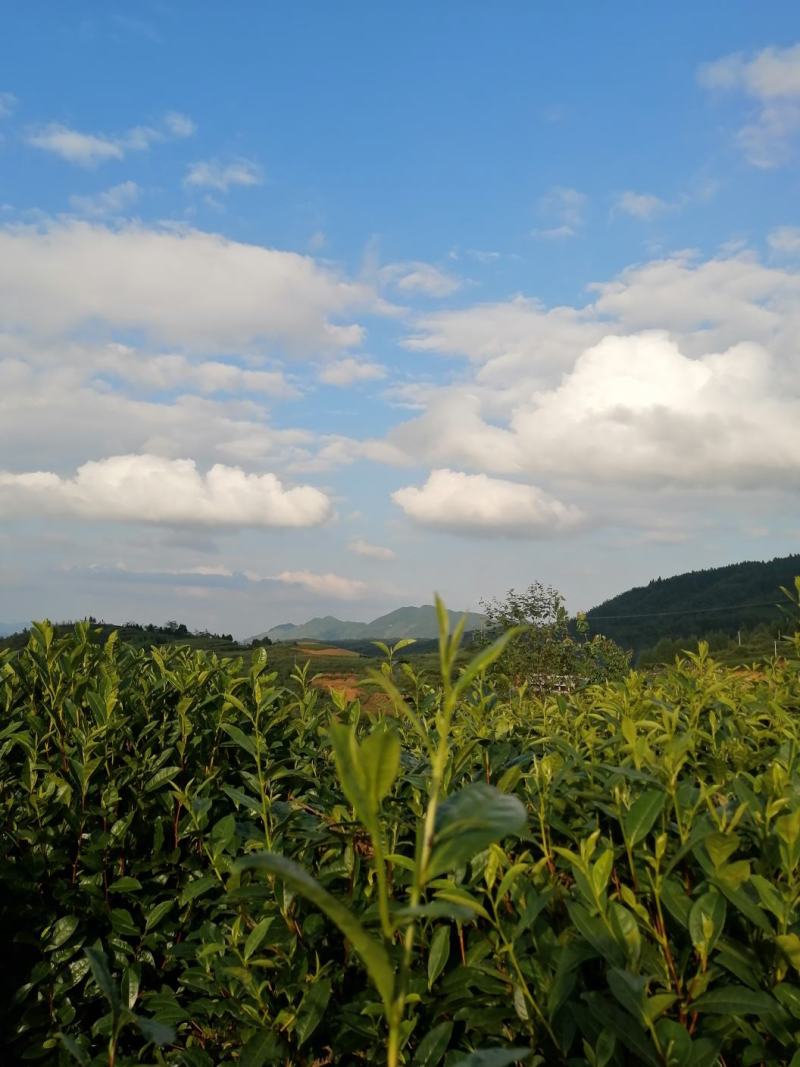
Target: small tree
x: 546, y: 651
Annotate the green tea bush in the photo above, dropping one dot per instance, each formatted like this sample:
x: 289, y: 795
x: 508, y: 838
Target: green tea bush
x: 202, y: 867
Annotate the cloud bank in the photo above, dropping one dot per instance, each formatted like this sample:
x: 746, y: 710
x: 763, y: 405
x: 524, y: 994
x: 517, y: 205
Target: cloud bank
x: 151, y: 489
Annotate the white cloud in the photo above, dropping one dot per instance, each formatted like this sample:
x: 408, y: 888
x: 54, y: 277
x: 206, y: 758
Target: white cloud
x: 476, y: 504
x: 641, y: 205
x: 418, y: 277
x: 8, y: 104
x: 78, y: 400
x: 772, y: 79
x: 90, y: 149
x: 565, y: 207
x: 349, y: 370
x: 86, y: 149
x: 333, y: 585
x: 594, y: 397
x: 172, y: 492
x: 785, y: 239
x: 212, y: 174
x: 363, y: 548
x: 111, y: 201
x: 512, y: 336
x: 773, y: 73
x: 175, y: 371
x: 179, y: 125
x: 183, y: 287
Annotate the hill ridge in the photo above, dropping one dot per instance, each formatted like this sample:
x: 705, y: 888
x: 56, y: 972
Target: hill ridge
x: 725, y: 598
x: 409, y: 621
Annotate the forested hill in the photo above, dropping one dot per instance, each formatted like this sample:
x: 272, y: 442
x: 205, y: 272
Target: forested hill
x: 726, y: 599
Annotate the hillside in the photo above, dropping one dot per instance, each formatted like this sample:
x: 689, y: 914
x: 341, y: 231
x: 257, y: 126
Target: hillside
x: 404, y: 622
x: 721, y: 599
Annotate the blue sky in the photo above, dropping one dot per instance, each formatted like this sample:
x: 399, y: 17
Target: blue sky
x: 310, y: 308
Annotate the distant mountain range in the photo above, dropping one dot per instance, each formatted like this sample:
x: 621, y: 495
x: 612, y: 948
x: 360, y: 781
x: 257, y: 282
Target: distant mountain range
x: 404, y: 622
x: 722, y: 599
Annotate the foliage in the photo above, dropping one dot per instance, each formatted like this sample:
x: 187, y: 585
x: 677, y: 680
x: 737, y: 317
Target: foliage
x: 549, y: 647
x: 740, y: 596
x: 202, y: 867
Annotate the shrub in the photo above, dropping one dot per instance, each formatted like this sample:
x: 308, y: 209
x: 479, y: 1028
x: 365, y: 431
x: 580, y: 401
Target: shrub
x: 203, y: 868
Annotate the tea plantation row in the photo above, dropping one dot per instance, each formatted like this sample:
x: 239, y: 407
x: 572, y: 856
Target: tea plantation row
x: 202, y: 867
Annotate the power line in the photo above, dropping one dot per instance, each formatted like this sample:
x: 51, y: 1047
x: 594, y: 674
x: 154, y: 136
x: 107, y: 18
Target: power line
x: 686, y: 611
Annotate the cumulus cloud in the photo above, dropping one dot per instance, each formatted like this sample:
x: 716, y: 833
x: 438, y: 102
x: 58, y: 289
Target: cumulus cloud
x: 185, y: 287
x: 477, y: 504
x: 633, y: 410
x: 333, y: 585
x: 363, y: 548
x: 680, y: 372
x: 564, y: 208
x: 171, y: 492
x: 348, y: 371
x: 109, y: 399
x: 419, y: 278
x: 111, y: 201
x: 509, y: 336
x: 771, y: 78
x: 86, y: 149
x: 174, y: 371
x: 644, y: 206
x: 213, y: 174
x: 785, y: 239
x: 91, y: 149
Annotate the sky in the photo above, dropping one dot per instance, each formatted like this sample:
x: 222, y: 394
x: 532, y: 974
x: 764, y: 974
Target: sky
x: 320, y: 308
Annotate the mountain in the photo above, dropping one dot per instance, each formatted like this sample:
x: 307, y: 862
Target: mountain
x: 723, y: 599
x: 404, y: 622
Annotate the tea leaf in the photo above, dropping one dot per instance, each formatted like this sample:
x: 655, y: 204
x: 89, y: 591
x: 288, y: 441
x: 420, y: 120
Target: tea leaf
x: 468, y: 821
x: 372, y: 953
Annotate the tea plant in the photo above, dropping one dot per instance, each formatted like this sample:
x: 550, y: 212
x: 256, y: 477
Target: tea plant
x: 203, y: 867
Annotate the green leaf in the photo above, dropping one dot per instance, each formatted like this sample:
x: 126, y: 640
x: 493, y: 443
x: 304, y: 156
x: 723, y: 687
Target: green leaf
x: 372, y: 953
x: 494, y: 1057
x: 469, y: 821
x: 156, y: 914
x: 789, y: 996
x: 630, y: 990
x: 198, y: 887
x: 350, y: 772
x: 735, y: 1000
x: 125, y: 885
x: 438, y: 954
x: 789, y: 945
x: 641, y: 818
x: 122, y: 923
x: 240, y: 737
x: 433, y: 1045
x: 256, y: 936
x: 311, y: 1010
x: 63, y: 930
x: 75, y: 1050
x: 260, y: 1049
x: 155, y: 1032
x: 707, y: 920
x: 380, y: 763
x: 160, y: 777
x: 626, y: 931
x: 102, y: 975
x: 130, y: 986
x: 720, y: 847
